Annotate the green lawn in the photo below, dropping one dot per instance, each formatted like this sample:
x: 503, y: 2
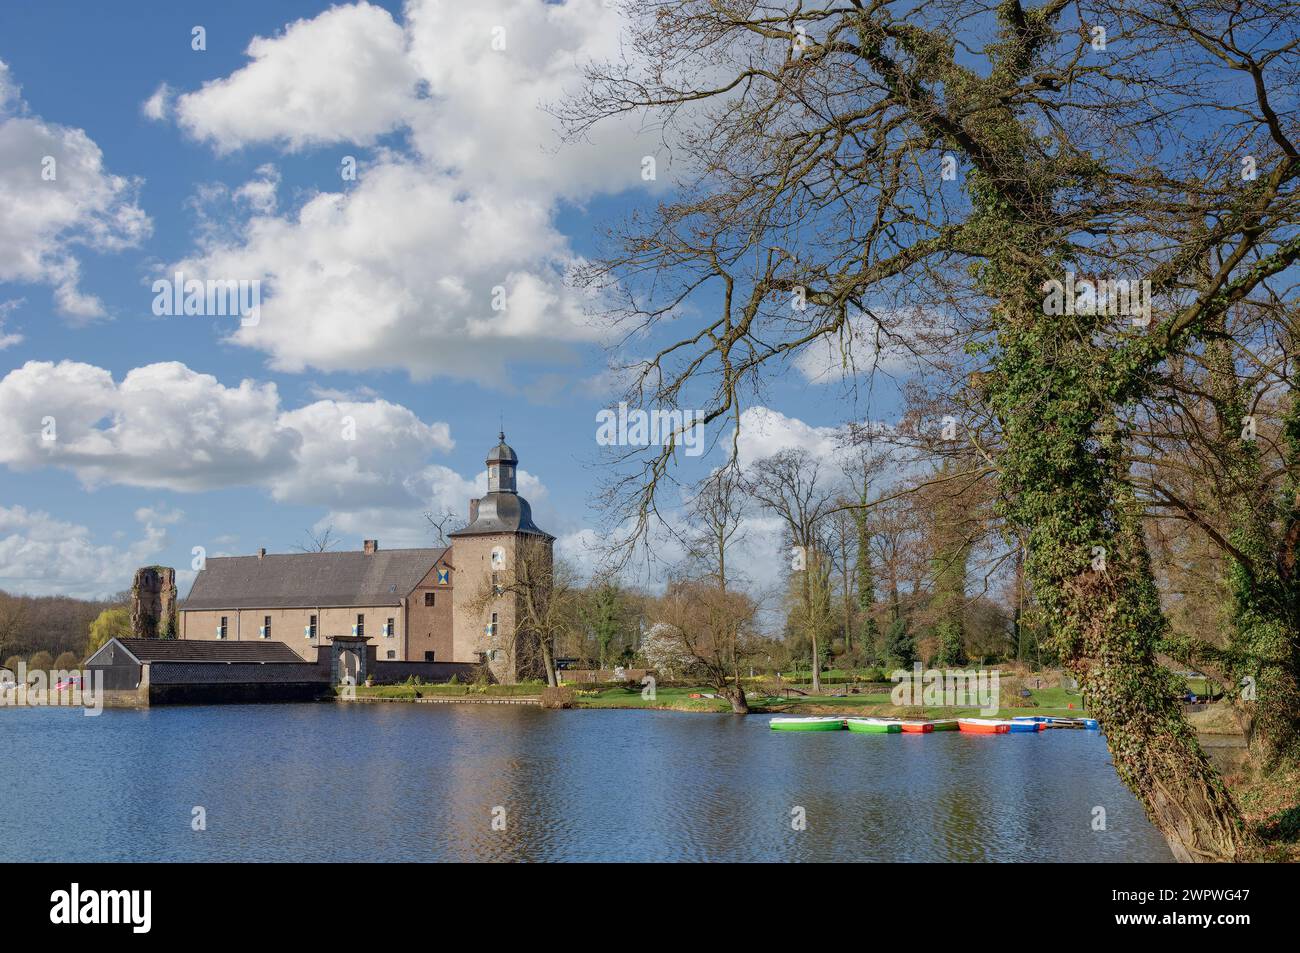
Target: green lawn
x: 1042, y: 701
x: 447, y: 691
x: 1047, y: 701
x: 678, y: 699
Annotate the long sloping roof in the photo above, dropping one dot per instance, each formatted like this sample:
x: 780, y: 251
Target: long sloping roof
x: 194, y: 650
x: 306, y: 580
x: 236, y: 673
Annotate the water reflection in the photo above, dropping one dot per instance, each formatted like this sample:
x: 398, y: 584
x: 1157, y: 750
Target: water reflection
x: 421, y: 782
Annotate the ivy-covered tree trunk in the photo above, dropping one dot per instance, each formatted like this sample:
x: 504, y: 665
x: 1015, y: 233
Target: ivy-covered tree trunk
x: 1064, y: 483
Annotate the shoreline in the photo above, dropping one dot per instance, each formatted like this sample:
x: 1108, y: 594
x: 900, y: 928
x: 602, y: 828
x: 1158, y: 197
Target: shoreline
x: 677, y: 700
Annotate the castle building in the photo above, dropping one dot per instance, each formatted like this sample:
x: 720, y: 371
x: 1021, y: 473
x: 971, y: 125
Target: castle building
x: 454, y: 604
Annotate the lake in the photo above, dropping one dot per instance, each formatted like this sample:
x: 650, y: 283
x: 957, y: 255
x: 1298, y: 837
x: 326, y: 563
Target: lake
x: 357, y: 782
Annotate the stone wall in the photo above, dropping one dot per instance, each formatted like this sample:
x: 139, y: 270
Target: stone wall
x: 393, y: 673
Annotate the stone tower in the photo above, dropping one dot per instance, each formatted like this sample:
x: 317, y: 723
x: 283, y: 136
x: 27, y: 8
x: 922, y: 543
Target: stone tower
x: 153, y: 603
x: 487, y: 555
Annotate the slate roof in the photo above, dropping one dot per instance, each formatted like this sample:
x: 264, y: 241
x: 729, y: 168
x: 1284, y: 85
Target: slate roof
x: 502, y: 452
x: 236, y: 673
x: 194, y: 650
x: 308, y: 580
x: 502, y: 512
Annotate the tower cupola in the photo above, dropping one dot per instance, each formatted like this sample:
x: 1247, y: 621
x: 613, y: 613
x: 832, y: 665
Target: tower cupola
x: 501, y: 464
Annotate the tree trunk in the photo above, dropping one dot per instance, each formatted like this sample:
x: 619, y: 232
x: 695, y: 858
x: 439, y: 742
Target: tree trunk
x: 736, y: 695
x: 1065, y: 482
x: 810, y: 620
x: 1110, y: 621
x: 548, y: 661
x: 1158, y: 757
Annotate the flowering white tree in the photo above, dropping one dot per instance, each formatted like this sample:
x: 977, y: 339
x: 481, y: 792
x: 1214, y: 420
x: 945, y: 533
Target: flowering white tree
x: 665, y: 651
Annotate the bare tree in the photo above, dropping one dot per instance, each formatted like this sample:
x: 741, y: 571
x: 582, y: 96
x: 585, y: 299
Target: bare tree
x: 711, y: 630
x: 317, y: 542
x: 717, y: 516
x: 443, y: 524
x: 790, y: 485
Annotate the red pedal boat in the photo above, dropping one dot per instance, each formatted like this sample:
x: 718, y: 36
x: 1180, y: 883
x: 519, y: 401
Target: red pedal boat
x: 984, y: 726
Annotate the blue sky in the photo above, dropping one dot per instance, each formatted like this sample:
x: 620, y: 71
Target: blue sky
x: 226, y: 162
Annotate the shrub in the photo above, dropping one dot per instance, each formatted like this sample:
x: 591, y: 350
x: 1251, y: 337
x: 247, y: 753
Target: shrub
x: 560, y: 696
x: 42, y: 661
x: 66, y: 662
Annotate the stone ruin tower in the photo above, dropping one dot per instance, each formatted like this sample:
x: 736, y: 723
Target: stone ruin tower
x: 153, y: 603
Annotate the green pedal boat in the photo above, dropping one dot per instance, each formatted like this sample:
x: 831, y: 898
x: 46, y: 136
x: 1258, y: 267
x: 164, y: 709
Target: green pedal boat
x: 874, y: 725
x: 820, y: 723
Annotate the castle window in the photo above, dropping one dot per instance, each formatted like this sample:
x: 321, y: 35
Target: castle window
x: 390, y: 629
x: 360, y: 627
x: 492, y: 629
x: 392, y: 653
x: 428, y: 656
x: 266, y: 627
x: 311, y: 627
x: 428, y: 598
x: 221, y: 629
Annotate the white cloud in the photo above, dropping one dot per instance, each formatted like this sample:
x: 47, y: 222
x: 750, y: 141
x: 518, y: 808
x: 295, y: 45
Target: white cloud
x: 42, y: 555
x: 9, y: 89
x: 340, y: 77
x: 7, y: 308
x: 160, y: 515
x: 403, y: 271
x: 259, y: 193
x: 862, y: 348
x: 764, y: 432
x: 165, y: 426
x: 351, y: 451
x: 56, y: 196
x: 158, y: 107
x: 401, y: 267
x: 487, y: 116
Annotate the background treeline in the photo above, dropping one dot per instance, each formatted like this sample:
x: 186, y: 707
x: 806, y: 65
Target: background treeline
x: 33, y: 627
